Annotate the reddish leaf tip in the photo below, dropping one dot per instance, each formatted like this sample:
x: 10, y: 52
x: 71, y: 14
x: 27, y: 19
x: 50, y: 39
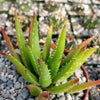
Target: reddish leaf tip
x: 28, y: 86
x: 76, y: 80
x: 45, y: 95
x: 34, y: 15
x: 84, y: 48
x: 15, y: 12
x: 3, y: 53
x: 52, y: 24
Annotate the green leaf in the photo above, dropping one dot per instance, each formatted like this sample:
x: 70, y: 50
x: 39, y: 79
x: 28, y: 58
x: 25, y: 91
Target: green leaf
x: 9, y: 44
x: 63, y: 87
x: 76, y: 51
x: 83, y: 86
x: 33, y: 59
x: 74, y: 64
x: 46, y: 49
x: 34, y: 90
x: 27, y: 75
x: 34, y: 38
x: 21, y: 43
x: 55, y: 59
x: 45, y: 78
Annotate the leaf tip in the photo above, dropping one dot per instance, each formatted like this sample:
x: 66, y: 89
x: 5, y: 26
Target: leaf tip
x: 34, y: 15
x: 76, y: 80
x: 3, y: 53
x: 45, y: 95
x: 28, y: 86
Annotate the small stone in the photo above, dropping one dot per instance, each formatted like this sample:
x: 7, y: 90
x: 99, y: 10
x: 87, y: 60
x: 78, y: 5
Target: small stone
x: 30, y: 99
x: 9, y: 70
x: 10, y: 83
x: 60, y: 95
x: 19, y: 97
x: 3, y: 78
x: 84, y: 79
x: 98, y: 76
x: 2, y: 65
x: 98, y: 98
x: 21, y: 79
x: 17, y: 85
x: 68, y: 97
x: 62, y: 98
x: 4, y: 95
x: 13, y: 67
x: 24, y: 93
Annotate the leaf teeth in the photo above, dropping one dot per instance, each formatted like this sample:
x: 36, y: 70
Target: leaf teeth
x: 9, y: 44
x: 30, y: 31
x: 38, y: 60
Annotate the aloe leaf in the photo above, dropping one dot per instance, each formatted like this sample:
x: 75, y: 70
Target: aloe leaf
x: 34, y: 38
x: 34, y: 90
x: 45, y: 78
x: 46, y: 49
x: 55, y: 59
x: 9, y: 44
x: 74, y: 64
x: 63, y: 87
x: 27, y: 75
x: 29, y: 31
x: 43, y: 96
x: 21, y: 43
x: 83, y: 86
x: 76, y: 51
x: 33, y: 59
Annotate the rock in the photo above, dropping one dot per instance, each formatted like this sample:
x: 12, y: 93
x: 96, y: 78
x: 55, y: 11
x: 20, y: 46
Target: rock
x: 98, y: 76
x: 60, y: 95
x: 17, y: 85
x: 62, y: 98
x: 30, y: 99
x: 9, y: 70
x: 97, y: 98
x: 13, y: 67
x: 2, y: 65
x: 68, y: 97
x: 21, y: 79
x: 19, y: 97
x: 84, y: 79
x: 10, y: 83
x: 24, y: 93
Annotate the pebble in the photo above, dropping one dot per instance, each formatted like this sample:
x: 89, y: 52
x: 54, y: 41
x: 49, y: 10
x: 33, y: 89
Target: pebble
x: 17, y: 85
x: 68, y: 96
x: 19, y: 97
x: 2, y: 65
x: 10, y: 83
x: 21, y: 79
x: 24, y: 93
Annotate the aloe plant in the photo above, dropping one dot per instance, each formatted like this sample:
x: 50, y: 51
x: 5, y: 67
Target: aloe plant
x: 43, y: 69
